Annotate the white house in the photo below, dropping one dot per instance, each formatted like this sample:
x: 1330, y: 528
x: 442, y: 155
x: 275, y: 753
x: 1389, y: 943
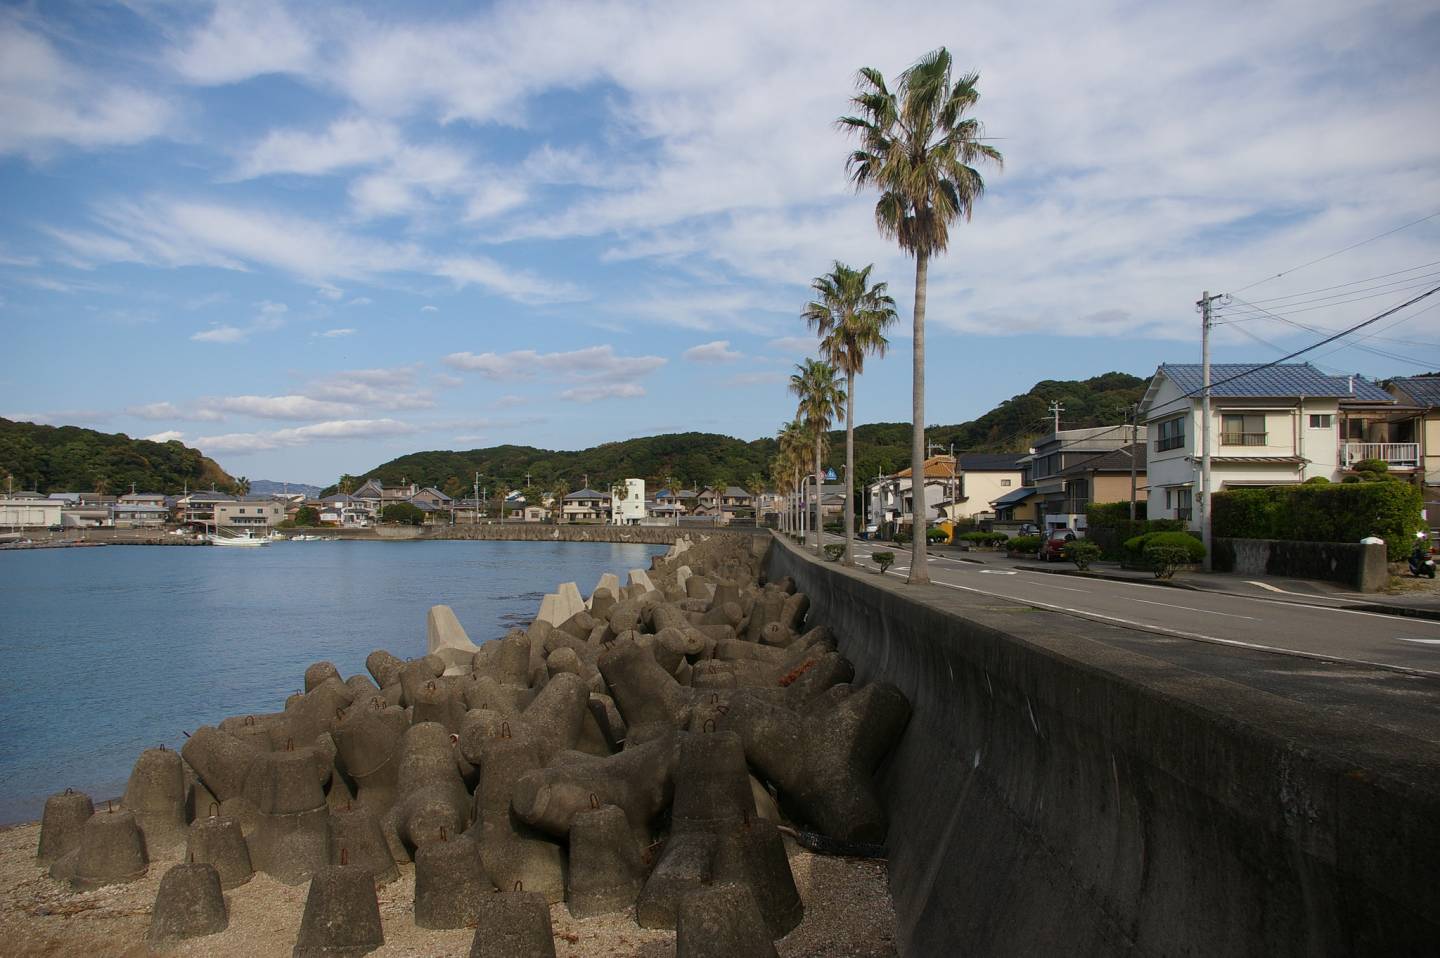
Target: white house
x: 627, y: 500
x: 29, y: 509
x: 255, y: 513
x: 1269, y: 425
x: 586, y: 505
x: 956, y: 487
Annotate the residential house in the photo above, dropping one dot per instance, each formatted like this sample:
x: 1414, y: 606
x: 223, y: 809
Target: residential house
x: 956, y: 487
x: 586, y: 505
x: 1062, y: 491
x: 729, y: 503
x: 198, y: 508
x: 377, y: 495
x: 253, y: 513
x: 668, y: 509
x: 628, y: 502
x: 1269, y: 425
x: 470, y: 510
x: 140, y: 510
x: 343, y: 510
x: 768, y: 506
x: 1422, y: 393
x: 29, y: 510
x: 535, y: 513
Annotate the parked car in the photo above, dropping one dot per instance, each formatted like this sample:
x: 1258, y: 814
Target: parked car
x: 1052, y: 549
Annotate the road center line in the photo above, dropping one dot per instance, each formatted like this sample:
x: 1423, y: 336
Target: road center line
x: 1187, y: 608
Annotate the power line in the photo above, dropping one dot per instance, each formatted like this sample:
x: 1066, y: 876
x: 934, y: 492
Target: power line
x: 1354, y: 282
x: 1338, y: 299
x: 1347, y: 249
x: 1395, y: 357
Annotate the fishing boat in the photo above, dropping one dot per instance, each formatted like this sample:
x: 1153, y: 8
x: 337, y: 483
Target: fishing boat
x: 245, y: 540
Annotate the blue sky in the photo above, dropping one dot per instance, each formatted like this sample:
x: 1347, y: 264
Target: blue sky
x: 308, y: 238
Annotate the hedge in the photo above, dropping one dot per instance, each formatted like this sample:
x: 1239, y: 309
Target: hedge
x: 1339, y: 512
x: 1027, y: 545
x: 1109, y: 526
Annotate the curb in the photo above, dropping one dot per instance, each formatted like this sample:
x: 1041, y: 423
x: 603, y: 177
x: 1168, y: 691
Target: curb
x: 1404, y: 611
x: 1076, y: 573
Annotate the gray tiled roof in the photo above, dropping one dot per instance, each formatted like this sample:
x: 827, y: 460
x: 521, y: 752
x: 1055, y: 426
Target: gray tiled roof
x: 1282, y: 381
x: 990, y: 461
x: 1117, y: 460
x: 1014, y: 496
x: 1421, y: 390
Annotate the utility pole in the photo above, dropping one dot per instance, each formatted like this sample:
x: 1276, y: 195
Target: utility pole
x: 1134, y: 456
x: 527, y: 480
x: 1205, y: 478
x: 1055, y: 410
x: 477, y: 498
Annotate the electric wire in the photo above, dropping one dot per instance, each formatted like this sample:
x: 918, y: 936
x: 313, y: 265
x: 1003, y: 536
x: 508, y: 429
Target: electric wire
x: 1347, y: 249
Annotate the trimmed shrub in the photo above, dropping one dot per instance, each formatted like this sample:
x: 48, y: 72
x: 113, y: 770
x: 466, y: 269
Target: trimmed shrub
x: 1136, y: 554
x: 883, y: 559
x: 984, y: 538
x: 1336, y: 512
x: 1082, y: 552
x: 1164, y: 560
x: 937, y: 535
x: 834, y: 551
x: 1028, y: 545
x: 1109, y: 526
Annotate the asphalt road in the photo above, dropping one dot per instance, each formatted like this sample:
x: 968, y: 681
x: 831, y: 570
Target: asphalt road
x: 1319, y: 629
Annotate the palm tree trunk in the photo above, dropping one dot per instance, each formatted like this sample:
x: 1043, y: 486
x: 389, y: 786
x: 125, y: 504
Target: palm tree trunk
x: 849, y: 466
x: 919, y: 563
x: 819, y: 519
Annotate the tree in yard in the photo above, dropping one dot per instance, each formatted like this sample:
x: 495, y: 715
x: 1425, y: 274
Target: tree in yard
x: 501, y: 491
x: 242, y: 486
x: 919, y: 149
x: 347, y: 484
x: 557, y: 506
x: 405, y: 513
x: 307, y: 516
x: 850, y: 317
x: 755, y: 485
x: 822, y: 399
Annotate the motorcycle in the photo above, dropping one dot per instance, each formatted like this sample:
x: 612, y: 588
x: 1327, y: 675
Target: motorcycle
x: 1422, y: 563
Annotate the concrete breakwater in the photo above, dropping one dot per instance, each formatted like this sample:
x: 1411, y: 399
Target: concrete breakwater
x: 1066, y: 787
x: 622, y: 752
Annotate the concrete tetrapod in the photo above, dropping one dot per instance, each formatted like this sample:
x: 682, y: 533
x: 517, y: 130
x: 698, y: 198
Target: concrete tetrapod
x: 721, y: 921
x: 639, y: 780
x: 60, y: 827
x: 513, y: 924
x: 752, y: 854
x: 156, y: 794
x: 220, y: 759
x: 291, y: 841
x: 511, y: 849
x: 367, y: 740
x: 432, y: 797
x: 218, y: 841
x: 111, y: 852
x: 449, y: 880
x: 643, y: 691
x: 342, y: 915
x: 684, y: 865
x: 606, y: 870
x: 356, y: 838
x: 188, y: 904
x: 824, y: 763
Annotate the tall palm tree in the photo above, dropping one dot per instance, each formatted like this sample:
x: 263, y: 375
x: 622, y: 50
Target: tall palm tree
x: 850, y: 317
x: 822, y: 400
x: 919, y: 149
x: 755, y: 485
x: 557, y: 506
x: 501, y: 491
x: 792, y: 442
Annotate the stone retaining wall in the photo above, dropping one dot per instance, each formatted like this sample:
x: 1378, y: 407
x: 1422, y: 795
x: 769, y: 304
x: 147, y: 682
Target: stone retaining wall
x: 1362, y: 567
x: 1059, y: 792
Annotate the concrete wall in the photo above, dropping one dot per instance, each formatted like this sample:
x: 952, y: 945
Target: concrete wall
x: 1362, y: 567
x: 1058, y: 792
x: 538, y: 532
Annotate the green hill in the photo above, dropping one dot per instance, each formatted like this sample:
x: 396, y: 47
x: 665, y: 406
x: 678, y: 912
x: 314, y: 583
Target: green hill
x: 70, y: 459
x: 697, y: 459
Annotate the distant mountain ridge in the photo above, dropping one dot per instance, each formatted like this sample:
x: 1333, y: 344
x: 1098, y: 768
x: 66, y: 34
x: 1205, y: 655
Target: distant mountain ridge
x: 71, y: 459
x: 697, y: 459
x: 265, y: 487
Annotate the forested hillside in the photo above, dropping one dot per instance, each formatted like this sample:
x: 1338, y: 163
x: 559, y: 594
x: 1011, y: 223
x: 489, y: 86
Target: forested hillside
x: 698, y: 459
x: 70, y: 459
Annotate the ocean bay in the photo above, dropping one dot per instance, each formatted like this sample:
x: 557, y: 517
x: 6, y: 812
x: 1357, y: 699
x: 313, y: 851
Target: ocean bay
x: 109, y: 651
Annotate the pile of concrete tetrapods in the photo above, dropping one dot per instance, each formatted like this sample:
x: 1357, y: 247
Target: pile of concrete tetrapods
x: 647, y: 749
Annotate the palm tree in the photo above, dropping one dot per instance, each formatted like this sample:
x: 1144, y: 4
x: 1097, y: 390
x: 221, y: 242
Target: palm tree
x: 822, y: 399
x: 501, y: 491
x: 850, y: 317
x: 917, y: 147
x: 242, y: 486
x: 557, y: 495
x: 794, y: 444
x: 755, y: 485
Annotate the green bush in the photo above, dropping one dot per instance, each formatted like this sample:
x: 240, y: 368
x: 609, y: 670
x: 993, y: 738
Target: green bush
x: 936, y: 535
x: 1082, y: 552
x: 1025, y: 544
x: 1109, y: 526
x: 404, y: 513
x: 1165, y: 559
x: 1136, y: 554
x: 1336, y: 512
x: 883, y: 559
x: 902, y: 535
x: 984, y: 538
x: 834, y: 551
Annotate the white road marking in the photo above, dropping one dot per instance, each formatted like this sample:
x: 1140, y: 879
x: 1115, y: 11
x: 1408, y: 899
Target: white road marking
x: 1187, y: 608
x: 1006, y: 572
x: 1264, y: 585
x: 1406, y: 638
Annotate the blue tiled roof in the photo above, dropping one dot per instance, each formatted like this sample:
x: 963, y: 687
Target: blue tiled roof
x: 1251, y: 381
x: 1422, y: 390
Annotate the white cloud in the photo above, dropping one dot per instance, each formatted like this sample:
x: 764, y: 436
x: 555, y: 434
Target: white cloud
x: 757, y: 379
x: 429, y: 309
x: 521, y: 286
x: 798, y: 345
x: 718, y: 351
x: 276, y: 407
x: 590, y: 363
x: 604, y: 391
x: 47, y: 102
x: 269, y: 316
x: 335, y: 333
x: 360, y: 301
x: 168, y: 411
x: 349, y: 141
x: 392, y: 388
x: 244, y: 39
x: 165, y: 436
x: 243, y: 442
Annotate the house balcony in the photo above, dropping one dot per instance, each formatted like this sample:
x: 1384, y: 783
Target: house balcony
x: 1396, y: 455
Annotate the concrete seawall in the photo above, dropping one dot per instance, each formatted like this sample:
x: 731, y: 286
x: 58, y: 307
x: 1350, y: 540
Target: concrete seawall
x: 1065, y: 787
x: 540, y: 532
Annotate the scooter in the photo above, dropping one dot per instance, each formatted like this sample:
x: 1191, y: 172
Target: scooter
x: 1421, y: 562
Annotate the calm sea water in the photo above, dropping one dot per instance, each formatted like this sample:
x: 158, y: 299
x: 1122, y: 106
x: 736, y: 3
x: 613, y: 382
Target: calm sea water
x: 105, y: 652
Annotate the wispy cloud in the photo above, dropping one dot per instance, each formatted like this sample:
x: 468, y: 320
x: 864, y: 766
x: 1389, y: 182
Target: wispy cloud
x: 244, y: 39
x: 243, y: 442
x: 270, y: 316
x: 166, y: 436
x: 604, y: 391
x: 591, y: 363
x: 335, y: 333
x: 170, y: 412
x: 718, y: 351
x: 384, y: 388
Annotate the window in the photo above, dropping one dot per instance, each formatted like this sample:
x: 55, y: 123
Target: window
x: 1171, y: 434
x: 1242, y: 430
x: 1004, y: 482
x: 1179, y: 500
x: 1321, y: 420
